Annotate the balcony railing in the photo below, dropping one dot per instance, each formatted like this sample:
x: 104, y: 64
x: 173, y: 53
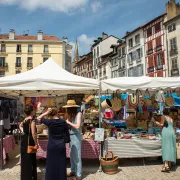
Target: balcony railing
x: 175, y: 72
x: 159, y: 67
x: 29, y: 65
x: 159, y: 48
x: 150, y: 51
x: 18, y: 64
x: 3, y: 65
x: 173, y: 52
x: 150, y: 69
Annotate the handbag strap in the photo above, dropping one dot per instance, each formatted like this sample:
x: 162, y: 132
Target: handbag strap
x: 29, y: 131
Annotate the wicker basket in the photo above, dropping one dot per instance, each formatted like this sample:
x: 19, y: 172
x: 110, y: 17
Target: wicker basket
x: 110, y: 165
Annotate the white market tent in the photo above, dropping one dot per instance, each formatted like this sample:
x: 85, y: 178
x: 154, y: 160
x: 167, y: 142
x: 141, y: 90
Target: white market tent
x: 141, y: 83
x: 46, y: 79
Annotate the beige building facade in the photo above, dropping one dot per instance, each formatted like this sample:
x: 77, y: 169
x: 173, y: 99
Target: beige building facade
x: 172, y: 26
x: 19, y: 53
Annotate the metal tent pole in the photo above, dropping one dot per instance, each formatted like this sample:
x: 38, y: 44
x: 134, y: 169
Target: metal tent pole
x: 1, y: 144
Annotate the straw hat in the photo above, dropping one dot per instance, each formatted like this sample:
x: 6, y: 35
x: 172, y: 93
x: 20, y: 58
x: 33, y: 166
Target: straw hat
x: 71, y: 103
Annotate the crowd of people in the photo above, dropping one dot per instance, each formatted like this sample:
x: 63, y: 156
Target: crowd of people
x: 61, y: 131
x: 68, y: 130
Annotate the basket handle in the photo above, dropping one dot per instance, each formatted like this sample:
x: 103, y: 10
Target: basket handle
x: 109, y: 152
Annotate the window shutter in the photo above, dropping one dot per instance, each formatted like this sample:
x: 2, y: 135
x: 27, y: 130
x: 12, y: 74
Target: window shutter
x: 142, y: 71
x: 150, y: 45
x: 141, y: 52
x: 155, y: 60
x: 158, y: 41
x: 163, y: 58
x: 150, y: 61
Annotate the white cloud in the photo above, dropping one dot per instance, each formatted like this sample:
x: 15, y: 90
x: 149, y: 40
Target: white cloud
x: 53, y: 5
x: 84, y: 39
x: 96, y: 6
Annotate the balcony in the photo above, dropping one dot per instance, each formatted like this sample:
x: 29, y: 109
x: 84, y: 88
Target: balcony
x: 151, y: 69
x: 30, y: 51
x: 3, y: 66
x: 29, y: 65
x: 175, y: 72
x: 159, y: 48
x: 159, y: 67
x: 18, y: 66
x: 150, y: 51
x: 173, y: 52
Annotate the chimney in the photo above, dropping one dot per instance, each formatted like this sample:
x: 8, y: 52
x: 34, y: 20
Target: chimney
x: 11, y: 34
x: 65, y: 39
x: 40, y: 35
x: 104, y: 35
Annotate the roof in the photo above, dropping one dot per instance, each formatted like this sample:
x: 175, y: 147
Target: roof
x: 172, y: 19
x: 129, y: 33
x: 154, y: 20
x: 85, y: 57
x: 98, y: 41
x: 28, y: 38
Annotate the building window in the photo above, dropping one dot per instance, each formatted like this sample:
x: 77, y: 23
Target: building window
x: 130, y: 72
x: 29, y: 62
x: 3, y: 48
x: 94, y: 53
x: 130, y: 58
x: 18, y: 61
x: 149, y: 47
x: 158, y: 44
x: 45, y: 59
x: 173, y: 44
x: 130, y: 43
x: 174, y: 64
x: 140, y: 70
x: 171, y: 27
x: 18, y: 72
x: 2, y: 61
x: 30, y: 48
x: 149, y: 32
x: 46, y: 48
x: 157, y: 27
x: 123, y: 51
x: 18, y: 48
x: 120, y: 54
x: 137, y: 39
x: 2, y: 73
x: 139, y: 53
x: 98, y: 51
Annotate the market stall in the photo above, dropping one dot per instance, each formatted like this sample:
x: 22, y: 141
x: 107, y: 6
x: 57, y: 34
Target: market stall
x: 128, y: 108
x: 46, y: 80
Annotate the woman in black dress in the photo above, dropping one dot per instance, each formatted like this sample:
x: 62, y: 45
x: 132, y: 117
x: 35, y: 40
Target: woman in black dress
x: 56, y: 150
x: 28, y: 161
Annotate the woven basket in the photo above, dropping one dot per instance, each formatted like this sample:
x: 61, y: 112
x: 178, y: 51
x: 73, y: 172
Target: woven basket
x: 106, y: 104
x: 169, y: 101
x: 110, y: 165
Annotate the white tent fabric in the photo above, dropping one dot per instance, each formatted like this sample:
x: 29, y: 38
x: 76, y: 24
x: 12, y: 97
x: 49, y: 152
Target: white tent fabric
x: 46, y: 78
x: 142, y: 83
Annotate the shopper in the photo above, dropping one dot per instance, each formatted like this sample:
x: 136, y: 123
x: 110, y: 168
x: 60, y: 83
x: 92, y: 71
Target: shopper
x: 28, y: 161
x: 168, y: 141
x: 56, y: 150
x: 74, y: 119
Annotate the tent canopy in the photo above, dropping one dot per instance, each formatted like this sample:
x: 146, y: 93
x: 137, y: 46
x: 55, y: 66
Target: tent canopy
x: 142, y: 83
x: 46, y: 79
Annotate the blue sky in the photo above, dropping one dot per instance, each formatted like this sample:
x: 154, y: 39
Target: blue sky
x: 82, y: 19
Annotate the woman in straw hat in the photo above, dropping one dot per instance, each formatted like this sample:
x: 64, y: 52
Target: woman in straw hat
x: 56, y: 150
x: 74, y: 119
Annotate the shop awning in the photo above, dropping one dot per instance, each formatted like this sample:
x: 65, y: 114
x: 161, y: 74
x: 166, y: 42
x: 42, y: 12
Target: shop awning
x: 142, y: 83
x: 46, y: 79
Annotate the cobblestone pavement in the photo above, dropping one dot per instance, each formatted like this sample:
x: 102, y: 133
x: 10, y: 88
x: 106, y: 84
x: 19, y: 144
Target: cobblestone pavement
x: 129, y: 169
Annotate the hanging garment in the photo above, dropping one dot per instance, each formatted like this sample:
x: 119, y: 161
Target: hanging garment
x: 160, y: 96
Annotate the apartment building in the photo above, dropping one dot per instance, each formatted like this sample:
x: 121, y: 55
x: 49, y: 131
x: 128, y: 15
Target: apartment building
x: 101, y: 47
x: 135, y: 53
x: 172, y: 27
x: 155, y: 48
x: 19, y: 53
x: 118, y: 60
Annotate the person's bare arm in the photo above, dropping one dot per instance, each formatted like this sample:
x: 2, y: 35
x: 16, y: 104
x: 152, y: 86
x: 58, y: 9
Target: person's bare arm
x: 78, y: 122
x: 44, y: 114
x: 21, y: 127
x: 34, y: 133
x: 161, y: 123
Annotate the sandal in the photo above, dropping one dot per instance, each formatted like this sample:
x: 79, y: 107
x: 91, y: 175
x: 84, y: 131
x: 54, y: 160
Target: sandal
x: 71, y: 174
x: 165, y: 169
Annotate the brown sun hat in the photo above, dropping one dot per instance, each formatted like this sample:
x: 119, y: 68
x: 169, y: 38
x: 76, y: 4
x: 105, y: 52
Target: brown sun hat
x: 71, y: 103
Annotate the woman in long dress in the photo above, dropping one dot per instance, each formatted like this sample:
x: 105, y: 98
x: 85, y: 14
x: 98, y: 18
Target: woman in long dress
x: 74, y: 120
x: 56, y: 150
x: 28, y: 161
x: 168, y: 141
